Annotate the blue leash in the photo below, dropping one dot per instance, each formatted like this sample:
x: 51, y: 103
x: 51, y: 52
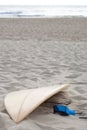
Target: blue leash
x: 63, y: 110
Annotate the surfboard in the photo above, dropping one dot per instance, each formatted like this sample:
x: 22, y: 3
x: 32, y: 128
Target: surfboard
x: 20, y: 104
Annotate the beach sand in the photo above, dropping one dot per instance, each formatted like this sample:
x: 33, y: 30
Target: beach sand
x: 43, y: 52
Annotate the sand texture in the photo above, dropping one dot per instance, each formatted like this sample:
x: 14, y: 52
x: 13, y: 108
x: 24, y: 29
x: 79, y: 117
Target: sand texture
x: 43, y: 52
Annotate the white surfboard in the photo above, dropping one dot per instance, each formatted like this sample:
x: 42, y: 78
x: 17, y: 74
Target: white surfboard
x: 20, y: 104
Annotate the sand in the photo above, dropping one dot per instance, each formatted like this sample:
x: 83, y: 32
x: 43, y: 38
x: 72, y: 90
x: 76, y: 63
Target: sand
x: 44, y: 52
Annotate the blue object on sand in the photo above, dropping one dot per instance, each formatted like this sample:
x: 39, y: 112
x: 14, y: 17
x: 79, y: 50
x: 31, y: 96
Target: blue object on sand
x: 63, y: 110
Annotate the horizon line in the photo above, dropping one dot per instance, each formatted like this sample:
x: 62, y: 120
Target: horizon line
x: 40, y: 5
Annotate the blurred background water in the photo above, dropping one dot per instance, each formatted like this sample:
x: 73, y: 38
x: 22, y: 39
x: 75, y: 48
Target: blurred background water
x: 43, y: 11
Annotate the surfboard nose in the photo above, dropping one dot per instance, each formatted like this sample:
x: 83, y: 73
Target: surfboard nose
x: 20, y: 104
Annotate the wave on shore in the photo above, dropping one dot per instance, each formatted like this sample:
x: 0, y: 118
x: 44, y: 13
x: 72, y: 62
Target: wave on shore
x: 43, y: 11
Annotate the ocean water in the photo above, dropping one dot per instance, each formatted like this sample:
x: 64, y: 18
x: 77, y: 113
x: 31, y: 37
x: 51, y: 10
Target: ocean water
x: 43, y: 11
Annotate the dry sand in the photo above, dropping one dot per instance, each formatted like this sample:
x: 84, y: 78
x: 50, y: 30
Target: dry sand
x: 43, y: 52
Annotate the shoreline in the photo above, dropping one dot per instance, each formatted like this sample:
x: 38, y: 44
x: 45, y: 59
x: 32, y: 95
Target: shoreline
x: 42, y: 17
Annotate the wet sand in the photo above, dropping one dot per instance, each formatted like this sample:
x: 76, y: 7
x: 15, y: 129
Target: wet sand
x: 44, y: 52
